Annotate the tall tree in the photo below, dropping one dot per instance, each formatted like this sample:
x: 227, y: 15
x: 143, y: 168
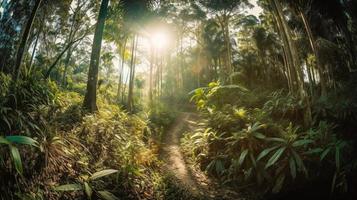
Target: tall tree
x: 132, y: 74
x: 90, y: 99
x: 223, y: 11
x: 23, y: 43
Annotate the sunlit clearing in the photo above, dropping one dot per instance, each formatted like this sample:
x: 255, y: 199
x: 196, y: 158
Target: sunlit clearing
x: 159, y: 39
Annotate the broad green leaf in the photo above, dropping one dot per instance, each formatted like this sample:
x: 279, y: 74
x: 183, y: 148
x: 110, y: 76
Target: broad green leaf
x: 69, y: 187
x: 242, y: 157
x: 278, y: 183
x: 102, y: 173
x: 302, y: 142
x: 275, y: 157
x: 266, y: 152
x: 292, y: 167
x: 15, y: 154
x: 88, y: 190
x: 107, y: 195
x: 22, y: 140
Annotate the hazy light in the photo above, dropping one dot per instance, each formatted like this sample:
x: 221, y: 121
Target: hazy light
x: 159, y: 39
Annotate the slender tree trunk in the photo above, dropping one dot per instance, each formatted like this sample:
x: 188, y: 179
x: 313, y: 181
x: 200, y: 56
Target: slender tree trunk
x: 121, y: 69
x: 90, y: 99
x: 66, y: 64
x: 151, y: 74
x: 69, y: 45
x: 132, y: 75
x: 295, y: 62
x: 315, y: 52
x: 287, y: 53
x: 126, y: 83
x: 181, y: 62
x: 25, y: 36
x: 35, y: 46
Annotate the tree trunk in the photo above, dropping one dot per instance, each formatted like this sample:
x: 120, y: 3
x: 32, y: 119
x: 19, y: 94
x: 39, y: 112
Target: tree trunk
x: 295, y: 61
x: 132, y: 75
x: 35, y: 46
x: 48, y: 73
x: 90, y: 99
x: 315, y: 52
x: 151, y: 74
x: 25, y: 36
x: 121, y: 69
x: 66, y: 64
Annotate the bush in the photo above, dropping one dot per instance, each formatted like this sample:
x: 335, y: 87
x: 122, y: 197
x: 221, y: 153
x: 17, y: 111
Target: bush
x: 262, y: 145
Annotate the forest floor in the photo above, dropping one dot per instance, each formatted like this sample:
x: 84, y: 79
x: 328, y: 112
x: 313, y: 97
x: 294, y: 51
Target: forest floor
x: 187, y: 175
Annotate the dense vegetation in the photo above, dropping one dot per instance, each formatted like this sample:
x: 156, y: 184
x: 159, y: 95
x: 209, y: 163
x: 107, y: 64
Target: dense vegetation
x: 88, y: 89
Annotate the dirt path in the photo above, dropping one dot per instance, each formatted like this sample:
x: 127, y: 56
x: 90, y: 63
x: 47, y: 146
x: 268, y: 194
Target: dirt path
x: 190, y: 178
x: 172, y: 155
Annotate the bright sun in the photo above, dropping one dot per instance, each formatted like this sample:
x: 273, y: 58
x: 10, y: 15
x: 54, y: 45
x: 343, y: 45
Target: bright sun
x: 159, y: 39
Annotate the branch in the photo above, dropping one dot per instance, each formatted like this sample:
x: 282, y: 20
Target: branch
x: 47, y: 75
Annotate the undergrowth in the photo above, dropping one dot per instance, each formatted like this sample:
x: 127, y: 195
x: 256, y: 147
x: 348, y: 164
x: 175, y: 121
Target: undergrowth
x: 259, y: 139
x: 71, y: 147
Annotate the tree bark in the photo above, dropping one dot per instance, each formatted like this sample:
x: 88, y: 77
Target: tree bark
x: 90, y: 99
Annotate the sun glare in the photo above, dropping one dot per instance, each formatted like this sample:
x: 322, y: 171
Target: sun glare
x: 159, y: 39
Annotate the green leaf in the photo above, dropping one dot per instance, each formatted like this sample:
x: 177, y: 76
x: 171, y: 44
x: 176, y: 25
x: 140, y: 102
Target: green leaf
x: 22, y: 140
x: 107, y: 195
x: 299, y: 162
x: 88, y: 190
x: 324, y: 153
x: 102, y: 173
x: 292, y: 167
x: 69, y: 187
x: 266, y: 152
x: 219, y: 167
x: 278, y: 183
x: 15, y: 154
x: 313, y: 151
x: 4, y: 141
x: 302, y: 142
x: 242, y: 157
x: 259, y: 135
x: 276, y: 140
x: 275, y: 157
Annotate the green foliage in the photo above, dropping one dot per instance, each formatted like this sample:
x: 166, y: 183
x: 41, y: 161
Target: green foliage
x: 10, y: 141
x: 88, y: 188
x: 20, y: 105
x: 261, y: 144
x: 160, y: 118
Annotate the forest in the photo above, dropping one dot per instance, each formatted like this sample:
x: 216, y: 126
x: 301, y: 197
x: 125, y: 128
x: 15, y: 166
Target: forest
x: 178, y: 99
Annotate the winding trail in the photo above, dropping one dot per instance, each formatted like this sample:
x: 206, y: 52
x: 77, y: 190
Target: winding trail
x: 190, y: 178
